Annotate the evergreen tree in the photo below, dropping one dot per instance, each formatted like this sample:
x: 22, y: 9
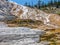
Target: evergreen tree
x: 39, y: 4
x: 58, y: 3
x: 51, y: 3
x: 29, y: 4
x: 26, y: 4
x: 43, y: 4
x: 32, y: 4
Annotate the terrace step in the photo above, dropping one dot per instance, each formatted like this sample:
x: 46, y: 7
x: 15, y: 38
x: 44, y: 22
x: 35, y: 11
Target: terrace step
x: 20, y: 35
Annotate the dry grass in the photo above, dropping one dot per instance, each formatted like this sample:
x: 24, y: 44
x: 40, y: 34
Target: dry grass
x: 52, y: 36
x: 24, y: 23
x: 55, y: 19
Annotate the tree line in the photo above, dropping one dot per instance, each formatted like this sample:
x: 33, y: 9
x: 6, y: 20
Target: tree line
x: 41, y: 4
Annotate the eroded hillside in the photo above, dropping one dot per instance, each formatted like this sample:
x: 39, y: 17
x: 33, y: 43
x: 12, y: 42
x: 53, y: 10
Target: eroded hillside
x: 23, y: 12
x: 15, y: 15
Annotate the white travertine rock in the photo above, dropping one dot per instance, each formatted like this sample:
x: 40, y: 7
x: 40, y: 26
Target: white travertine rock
x: 2, y: 24
x: 19, y: 36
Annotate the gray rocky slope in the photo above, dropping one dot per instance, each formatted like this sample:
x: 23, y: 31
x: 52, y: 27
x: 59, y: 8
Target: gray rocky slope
x: 5, y: 8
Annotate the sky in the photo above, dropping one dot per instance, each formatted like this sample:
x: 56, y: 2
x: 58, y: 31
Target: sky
x: 22, y: 2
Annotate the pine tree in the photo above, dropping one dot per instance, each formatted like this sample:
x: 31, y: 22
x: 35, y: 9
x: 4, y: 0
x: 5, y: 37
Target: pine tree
x: 39, y: 4
x: 26, y: 4
x: 43, y: 4
x: 58, y: 3
x: 51, y: 3
x: 32, y: 4
x: 29, y: 4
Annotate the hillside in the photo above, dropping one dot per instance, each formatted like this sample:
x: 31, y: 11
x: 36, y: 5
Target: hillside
x: 14, y: 15
x: 12, y: 11
x: 23, y: 12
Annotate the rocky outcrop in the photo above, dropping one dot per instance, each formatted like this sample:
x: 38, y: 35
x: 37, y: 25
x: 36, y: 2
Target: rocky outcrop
x: 20, y: 36
x: 5, y: 8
